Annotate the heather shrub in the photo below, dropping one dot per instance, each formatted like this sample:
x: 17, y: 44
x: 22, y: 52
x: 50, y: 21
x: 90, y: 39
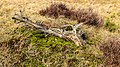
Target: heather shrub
x: 88, y: 16
x: 54, y: 10
x: 111, y: 51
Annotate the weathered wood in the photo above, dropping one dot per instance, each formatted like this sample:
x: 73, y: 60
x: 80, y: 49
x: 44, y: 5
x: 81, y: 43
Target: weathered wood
x: 69, y: 35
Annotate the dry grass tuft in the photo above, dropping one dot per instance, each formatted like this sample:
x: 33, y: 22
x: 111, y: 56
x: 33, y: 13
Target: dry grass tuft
x: 111, y: 50
x: 88, y: 16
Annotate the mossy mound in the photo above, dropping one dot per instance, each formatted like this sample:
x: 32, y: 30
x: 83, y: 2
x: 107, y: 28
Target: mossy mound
x: 39, y: 49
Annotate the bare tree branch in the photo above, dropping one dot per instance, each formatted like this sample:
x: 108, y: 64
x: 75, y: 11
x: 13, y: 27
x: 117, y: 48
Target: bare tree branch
x: 69, y: 35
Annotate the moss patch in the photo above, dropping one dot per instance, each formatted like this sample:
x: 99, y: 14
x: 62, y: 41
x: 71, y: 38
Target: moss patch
x: 41, y: 50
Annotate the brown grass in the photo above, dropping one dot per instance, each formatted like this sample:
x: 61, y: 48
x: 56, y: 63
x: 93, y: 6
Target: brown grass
x: 111, y: 50
x: 81, y: 15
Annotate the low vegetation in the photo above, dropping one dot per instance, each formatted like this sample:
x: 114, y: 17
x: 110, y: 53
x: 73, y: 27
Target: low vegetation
x: 111, y: 26
x: 111, y: 50
x: 86, y: 16
x: 37, y: 48
x: 22, y: 45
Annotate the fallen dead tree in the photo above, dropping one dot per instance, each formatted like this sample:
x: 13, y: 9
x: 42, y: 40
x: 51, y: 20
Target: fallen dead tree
x: 77, y: 36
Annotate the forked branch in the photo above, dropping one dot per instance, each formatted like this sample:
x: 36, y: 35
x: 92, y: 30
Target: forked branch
x: 60, y: 32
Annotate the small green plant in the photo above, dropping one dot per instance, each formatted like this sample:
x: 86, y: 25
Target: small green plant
x: 110, y: 26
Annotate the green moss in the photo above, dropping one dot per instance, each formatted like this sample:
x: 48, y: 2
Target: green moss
x: 111, y: 26
x: 49, y: 41
x: 32, y: 62
x: 53, y: 51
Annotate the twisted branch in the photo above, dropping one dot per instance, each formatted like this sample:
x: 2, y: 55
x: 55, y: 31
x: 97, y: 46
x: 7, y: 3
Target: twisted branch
x: 69, y: 35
